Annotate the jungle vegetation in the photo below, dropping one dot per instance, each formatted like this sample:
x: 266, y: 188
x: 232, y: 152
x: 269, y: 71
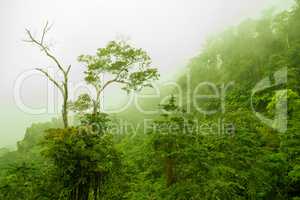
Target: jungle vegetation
x: 246, y: 159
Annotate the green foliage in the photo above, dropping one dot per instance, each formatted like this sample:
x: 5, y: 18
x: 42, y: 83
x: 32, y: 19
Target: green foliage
x: 130, y: 65
x: 174, y: 159
x: 83, y: 103
x: 84, y: 160
x: 124, y: 64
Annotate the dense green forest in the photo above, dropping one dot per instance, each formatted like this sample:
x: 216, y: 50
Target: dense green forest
x: 234, y: 155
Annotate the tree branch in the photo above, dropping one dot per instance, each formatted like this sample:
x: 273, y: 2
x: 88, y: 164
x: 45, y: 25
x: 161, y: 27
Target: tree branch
x: 68, y: 70
x: 45, y: 30
x: 115, y: 80
x: 52, y: 80
x: 43, y: 46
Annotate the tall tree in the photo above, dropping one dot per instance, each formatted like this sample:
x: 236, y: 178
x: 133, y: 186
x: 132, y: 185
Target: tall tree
x: 63, y: 87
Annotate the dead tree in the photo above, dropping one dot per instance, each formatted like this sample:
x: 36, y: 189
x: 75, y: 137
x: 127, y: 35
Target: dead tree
x: 63, y: 86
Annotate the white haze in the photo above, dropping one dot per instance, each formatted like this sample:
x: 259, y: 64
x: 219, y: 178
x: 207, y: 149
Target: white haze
x: 172, y: 31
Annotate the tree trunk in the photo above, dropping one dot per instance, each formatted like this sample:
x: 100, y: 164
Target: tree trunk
x: 170, y: 171
x: 65, y: 114
x: 65, y: 102
x: 96, y: 103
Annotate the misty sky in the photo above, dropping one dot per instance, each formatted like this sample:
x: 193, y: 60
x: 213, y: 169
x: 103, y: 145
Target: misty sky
x: 171, y: 31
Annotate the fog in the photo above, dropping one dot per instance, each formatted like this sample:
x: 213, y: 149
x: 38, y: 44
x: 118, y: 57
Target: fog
x: 171, y: 31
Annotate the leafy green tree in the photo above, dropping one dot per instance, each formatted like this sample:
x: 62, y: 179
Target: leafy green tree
x: 126, y: 65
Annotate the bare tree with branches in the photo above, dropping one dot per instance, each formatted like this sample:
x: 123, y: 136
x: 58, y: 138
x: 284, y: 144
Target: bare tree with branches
x: 63, y: 86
